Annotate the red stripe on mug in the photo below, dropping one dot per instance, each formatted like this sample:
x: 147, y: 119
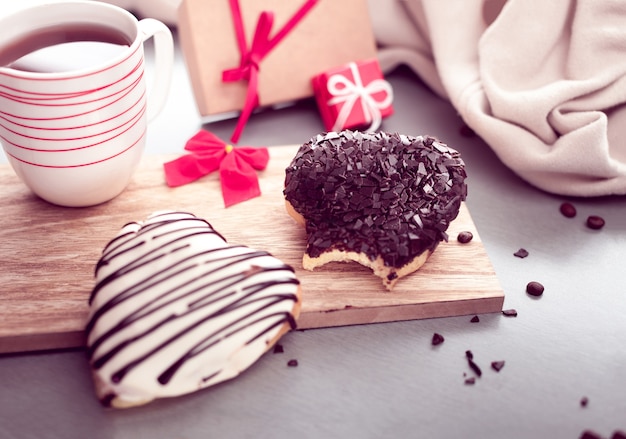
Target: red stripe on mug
x: 13, y: 123
x: 25, y: 148
x: 83, y: 164
x: 59, y: 96
x: 74, y: 115
x: 48, y: 139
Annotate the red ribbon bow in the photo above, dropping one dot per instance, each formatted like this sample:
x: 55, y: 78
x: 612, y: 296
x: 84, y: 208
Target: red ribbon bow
x: 262, y: 44
x: 237, y: 166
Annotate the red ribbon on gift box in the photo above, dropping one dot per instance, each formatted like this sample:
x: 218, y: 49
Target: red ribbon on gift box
x: 251, y: 58
x: 348, y: 93
x: 208, y: 153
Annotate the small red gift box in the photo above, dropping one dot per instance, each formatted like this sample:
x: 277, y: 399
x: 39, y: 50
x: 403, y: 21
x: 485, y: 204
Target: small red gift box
x: 353, y: 95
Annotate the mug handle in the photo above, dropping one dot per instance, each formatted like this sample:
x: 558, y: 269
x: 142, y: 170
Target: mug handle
x: 163, y: 63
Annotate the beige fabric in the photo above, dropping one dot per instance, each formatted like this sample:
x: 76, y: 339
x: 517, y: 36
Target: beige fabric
x: 542, y: 82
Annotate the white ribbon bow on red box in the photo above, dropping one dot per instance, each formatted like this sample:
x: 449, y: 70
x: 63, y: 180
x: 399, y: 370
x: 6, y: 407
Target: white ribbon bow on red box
x: 347, y: 92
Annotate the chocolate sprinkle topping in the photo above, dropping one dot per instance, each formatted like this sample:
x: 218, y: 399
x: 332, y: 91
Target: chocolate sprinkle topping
x: 618, y: 435
x: 595, y: 222
x: 470, y: 381
x: 509, y: 312
x: 379, y: 194
x: 475, y: 319
x: 292, y: 363
x: 521, y: 253
x: 584, y: 401
x: 278, y: 348
x: 464, y: 237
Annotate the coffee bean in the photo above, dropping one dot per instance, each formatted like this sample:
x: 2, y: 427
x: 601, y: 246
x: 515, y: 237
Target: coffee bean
x: 534, y: 289
x: 465, y: 237
x: 568, y: 210
x: 595, y: 222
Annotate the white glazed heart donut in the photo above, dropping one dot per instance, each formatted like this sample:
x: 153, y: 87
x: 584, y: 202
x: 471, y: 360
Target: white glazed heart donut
x: 176, y: 309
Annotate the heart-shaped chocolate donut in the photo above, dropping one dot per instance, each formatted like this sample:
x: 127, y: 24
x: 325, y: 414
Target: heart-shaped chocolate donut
x: 176, y: 309
x: 383, y: 200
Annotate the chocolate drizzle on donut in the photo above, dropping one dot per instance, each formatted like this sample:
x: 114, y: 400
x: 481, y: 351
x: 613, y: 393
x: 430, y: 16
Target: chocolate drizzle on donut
x: 383, y: 195
x: 171, y: 292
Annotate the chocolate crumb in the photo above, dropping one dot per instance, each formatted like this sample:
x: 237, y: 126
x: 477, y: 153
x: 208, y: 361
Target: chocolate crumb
x: 278, y: 348
x: 568, y: 210
x: 437, y: 339
x: 470, y: 381
x: 509, y: 312
x: 584, y: 401
x: 595, y: 222
x: 521, y: 253
x: 292, y: 363
x: 534, y: 288
x: 475, y: 319
x: 497, y: 365
x: 470, y: 361
x: 475, y: 367
x: 464, y: 237
x: 618, y: 435
x: 587, y: 434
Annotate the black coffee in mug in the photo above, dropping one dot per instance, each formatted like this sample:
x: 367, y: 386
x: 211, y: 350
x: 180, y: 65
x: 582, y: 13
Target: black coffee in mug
x: 67, y: 47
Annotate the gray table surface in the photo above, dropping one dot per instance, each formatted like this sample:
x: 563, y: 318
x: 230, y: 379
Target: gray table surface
x: 386, y: 380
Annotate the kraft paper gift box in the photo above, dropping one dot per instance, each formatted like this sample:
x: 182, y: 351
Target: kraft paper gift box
x: 354, y: 95
x: 333, y: 32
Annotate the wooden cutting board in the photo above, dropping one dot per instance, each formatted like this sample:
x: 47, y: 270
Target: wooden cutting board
x: 48, y: 254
